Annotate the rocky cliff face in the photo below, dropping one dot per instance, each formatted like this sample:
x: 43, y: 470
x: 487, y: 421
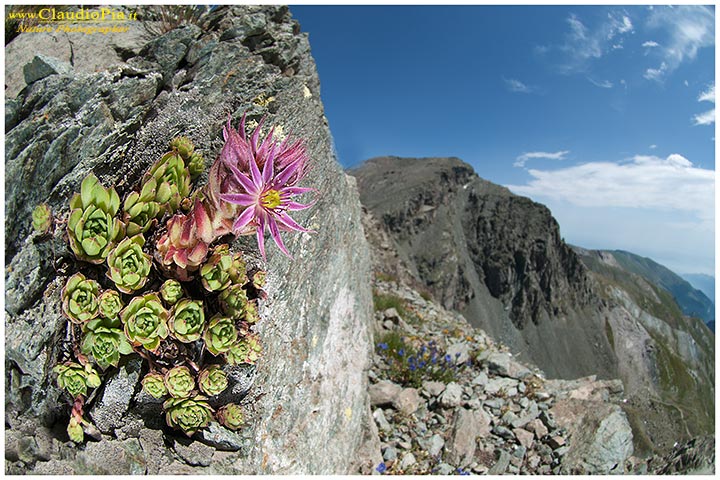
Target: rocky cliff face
x: 495, y: 257
x: 307, y: 400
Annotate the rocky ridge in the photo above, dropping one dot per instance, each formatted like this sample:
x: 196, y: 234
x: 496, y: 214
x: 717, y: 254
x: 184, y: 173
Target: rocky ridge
x: 495, y: 257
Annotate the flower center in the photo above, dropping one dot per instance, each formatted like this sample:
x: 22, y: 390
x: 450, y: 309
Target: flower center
x: 270, y: 199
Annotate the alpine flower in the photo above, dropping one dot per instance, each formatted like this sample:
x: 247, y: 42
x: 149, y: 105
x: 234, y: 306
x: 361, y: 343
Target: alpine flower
x: 264, y: 196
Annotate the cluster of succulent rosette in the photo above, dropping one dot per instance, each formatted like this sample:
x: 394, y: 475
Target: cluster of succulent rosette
x: 162, y: 281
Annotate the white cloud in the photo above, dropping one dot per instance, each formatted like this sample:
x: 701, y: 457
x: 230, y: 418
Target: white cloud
x: 517, y: 86
x: 688, y: 27
x: 583, y: 44
x: 522, y: 159
x: 708, y: 95
x: 650, y: 44
x: 601, y: 83
x: 653, y: 147
x: 645, y: 181
x: 706, y: 118
x: 656, y: 73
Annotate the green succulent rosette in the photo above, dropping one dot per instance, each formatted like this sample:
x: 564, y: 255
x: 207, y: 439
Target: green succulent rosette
x: 173, y: 181
x: 230, y: 416
x: 179, y: 382
x: 154, y: 385
x: 187, y: 321
x: 183, y: 146
x: 110, y: 304
x: 75, y: 430
x: 233, y: 301
x: 251, y: 314
x: 75, y: 378
x: 80, y: 299
x: 196, y: 165
x: 188, y: 414
x: 42, y: 218
x: 247, y: 350
x: 212, y: 380
x: 215, y: 274
x: 92, y: 227
x: 171, y: 291
x: 238, y: 270
x: 145, y: 321
x: 105, y: 340
x: 128, y: 265
x: 220, y: 334
x: 141, y: 209
x: 259, y: 279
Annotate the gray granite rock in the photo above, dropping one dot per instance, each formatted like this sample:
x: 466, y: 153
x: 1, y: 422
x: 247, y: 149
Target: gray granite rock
x: 43, y: 66
x: 384, y: 393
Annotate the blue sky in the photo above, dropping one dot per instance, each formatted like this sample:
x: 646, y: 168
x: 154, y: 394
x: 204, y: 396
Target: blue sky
x: 604, y: 114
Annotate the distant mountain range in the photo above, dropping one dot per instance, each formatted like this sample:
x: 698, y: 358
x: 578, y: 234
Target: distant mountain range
x: 499, y: 259
x: 704, y: 283
x: 692, y: 302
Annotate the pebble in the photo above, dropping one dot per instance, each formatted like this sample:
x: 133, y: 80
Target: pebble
x: 389, y: 453
x: 501, y: 464
x: 556, y: 442
x: 452, y: 396
x: 433, y: 388
x: 436, y: 445
x: 503, y: 432
x: 407, y: 461
x: 445, y: 469
x: 381, y: 421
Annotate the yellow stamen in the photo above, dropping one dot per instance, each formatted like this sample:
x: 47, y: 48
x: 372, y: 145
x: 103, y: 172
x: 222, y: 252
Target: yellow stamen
x: 270, y: 199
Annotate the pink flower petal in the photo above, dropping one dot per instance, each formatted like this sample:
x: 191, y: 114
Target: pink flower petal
x: 275, y: 234
x: 244, y: 219
x: 285, y: 219
x: 243, y: 199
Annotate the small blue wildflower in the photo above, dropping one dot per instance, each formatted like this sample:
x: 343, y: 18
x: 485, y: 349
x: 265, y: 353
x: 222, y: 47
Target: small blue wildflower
x: 423, y: 349
x: 383, y: 346
x: 434, y: 358
x: 381, y: 468
x: 412, y: 367
x: 401, y: 352
x: 422, y: 364
x: 457, y: 355
x: 448, y: 358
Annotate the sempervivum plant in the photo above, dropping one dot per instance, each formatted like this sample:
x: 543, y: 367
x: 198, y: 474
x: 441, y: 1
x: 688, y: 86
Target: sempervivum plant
x: 212, y: 380
x: 171, y: 291
x: 220, y: 335
x: 173, y: 181
x: 188, y: 414
x: 215, y: 274
x: 247, y: 350
x: 230, y: 416
x: 141, y: 209
x: 75, y: 378
x: 145, y: 321
x: 105, y: 341
x: 179, y: 382
x: 80, y: 302
x: 42, y: 218
x: 182, y: 249
x: 128, y: 265
x: 92, y: 227
x: 110, y: 304
x: 154, y: 385
x: 187, y: 320
x: 233, y: 301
